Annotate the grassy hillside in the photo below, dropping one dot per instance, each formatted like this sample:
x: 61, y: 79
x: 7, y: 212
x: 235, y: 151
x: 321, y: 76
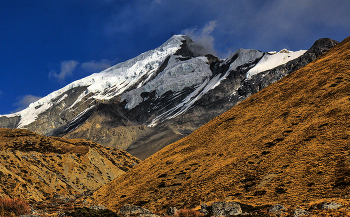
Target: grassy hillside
x: 287, y: 144
x: 37, y: 168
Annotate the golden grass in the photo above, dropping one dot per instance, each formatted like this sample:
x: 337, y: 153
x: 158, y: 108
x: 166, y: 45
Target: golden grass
x: 287, y: 144
x: 36, y: 167
x: 20, y: 139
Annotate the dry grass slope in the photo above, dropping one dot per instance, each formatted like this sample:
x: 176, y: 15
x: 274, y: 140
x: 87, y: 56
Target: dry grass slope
x: 36, y: 167
x: 288, y: 143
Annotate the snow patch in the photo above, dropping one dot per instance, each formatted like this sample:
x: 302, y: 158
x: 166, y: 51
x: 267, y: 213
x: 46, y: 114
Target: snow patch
x: 270, y: 61
x: 32, y: 112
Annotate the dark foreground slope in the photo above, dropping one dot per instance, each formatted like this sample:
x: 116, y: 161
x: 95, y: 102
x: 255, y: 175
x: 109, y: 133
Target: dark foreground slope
x: 37, y: 168
x: 287, y: 144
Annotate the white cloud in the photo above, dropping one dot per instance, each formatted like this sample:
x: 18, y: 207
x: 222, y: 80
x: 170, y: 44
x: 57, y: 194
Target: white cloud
x: 24, y: 101
x: 67, y: 68
x: 96, y: 66
x: 203, y: 37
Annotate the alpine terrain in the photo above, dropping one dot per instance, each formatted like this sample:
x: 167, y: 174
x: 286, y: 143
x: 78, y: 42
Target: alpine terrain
x: 158, y: 97
x: 287, y: 144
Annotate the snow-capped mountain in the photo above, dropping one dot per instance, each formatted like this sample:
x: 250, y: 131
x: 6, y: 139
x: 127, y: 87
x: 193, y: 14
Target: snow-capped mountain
x: 145, y: 103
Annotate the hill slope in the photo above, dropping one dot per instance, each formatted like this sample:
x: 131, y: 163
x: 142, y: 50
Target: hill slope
x: 37, y: 168
x: 287, y: 144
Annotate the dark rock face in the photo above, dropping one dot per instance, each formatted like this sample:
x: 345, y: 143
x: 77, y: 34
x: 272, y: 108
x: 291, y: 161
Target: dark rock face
x: 9, y: 122
x: 157, y: 120
x: 171, y: 211
x: 204, y: 209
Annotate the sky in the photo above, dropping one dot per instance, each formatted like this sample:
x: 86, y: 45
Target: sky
x: 47, y: 44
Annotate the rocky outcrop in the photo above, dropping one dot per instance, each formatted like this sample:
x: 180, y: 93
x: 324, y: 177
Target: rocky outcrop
x: 331, y: 205
x: 226, y: 209
x: 278, y: 209
x: 205, y: 209
x: 171, y: 211
x: 300, y: 212
x: 60, y: 207
x: 132, y: 210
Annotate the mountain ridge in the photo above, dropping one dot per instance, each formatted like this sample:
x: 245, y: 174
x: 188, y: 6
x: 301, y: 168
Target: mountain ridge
x: 159, y: 95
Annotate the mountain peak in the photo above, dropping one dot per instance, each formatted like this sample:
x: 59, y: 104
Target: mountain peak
x: 173, y: 41
x: 284, y: 50
x: 322, y: 44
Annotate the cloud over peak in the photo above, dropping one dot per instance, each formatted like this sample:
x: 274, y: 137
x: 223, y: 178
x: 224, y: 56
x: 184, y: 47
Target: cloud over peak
x: 203, y: 37
x: 96, y: 66
x: 67, y: 68
x: 24, y: 101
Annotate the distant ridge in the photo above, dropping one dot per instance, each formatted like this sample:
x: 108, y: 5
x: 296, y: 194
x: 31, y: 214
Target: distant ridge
x: 288, y: 144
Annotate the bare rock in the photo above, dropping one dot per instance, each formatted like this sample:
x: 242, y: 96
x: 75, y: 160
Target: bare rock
x: 98, y: 207
x: 148, y: 215
x: 277, y: 208
x: 226, y: 208
x: 331, y: 205
x: 132, y: 209
x: 204, y: 209
x: 300, y: 212
x: 29, y: 216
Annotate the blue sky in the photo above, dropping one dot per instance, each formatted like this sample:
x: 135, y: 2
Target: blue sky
x: 46, y: 44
